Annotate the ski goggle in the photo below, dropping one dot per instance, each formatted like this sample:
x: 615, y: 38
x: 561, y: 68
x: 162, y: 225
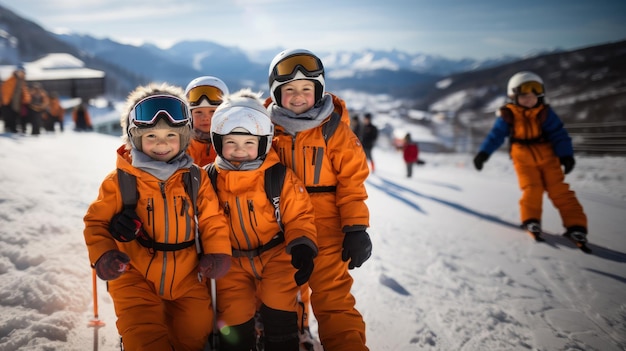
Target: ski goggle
x: 148, y: 111
x: 309, y: 65
x: 212, y: 94
x: 529, y: 87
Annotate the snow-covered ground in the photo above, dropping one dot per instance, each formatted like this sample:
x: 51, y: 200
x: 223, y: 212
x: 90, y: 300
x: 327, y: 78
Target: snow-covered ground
x: 449, y: 271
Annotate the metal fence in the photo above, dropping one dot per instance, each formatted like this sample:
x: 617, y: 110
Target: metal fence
x: 606, y: 138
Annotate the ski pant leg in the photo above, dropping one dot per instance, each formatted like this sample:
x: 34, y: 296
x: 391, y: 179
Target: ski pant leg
x: 10, y: 119
x: 532, y: 186
x: 35, y: 121
x: 564, y: 199
x: 278, y: 293
x: 340, y: 325
x: 239, y: 337
x: 190, y: 319
x: 140, y: 314
x: 236, y: 291
x: 281, y: 329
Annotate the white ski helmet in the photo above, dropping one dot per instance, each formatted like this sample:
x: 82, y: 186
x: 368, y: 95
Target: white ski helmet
x: 518, y: 79
x: 205, y: 91
x: 242, y: 112
x: 295, y: 64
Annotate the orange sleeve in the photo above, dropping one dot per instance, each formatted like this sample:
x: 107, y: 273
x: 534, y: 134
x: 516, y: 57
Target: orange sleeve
x: 214, y: 230
x: 99, y: 214
x: 298, y: 214
x: 348, y: 159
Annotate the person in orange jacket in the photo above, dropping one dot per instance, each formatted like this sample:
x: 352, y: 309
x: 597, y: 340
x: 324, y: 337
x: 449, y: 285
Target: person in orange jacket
x: 203, y: 94
x: 272, y: 255
x: 334, y: 173
x: 154, y: 258
x: 15, y: 95
x: 81, y: 117
x: 55, y: 113
x: 540, y: 145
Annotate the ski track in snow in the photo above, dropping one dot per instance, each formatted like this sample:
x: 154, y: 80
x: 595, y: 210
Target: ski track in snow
x: 518, y: 306
x: 450, y: 270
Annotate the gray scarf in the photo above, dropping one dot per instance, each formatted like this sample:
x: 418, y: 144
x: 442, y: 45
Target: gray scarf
x: 312, y: 118
x: 201, y: 136
x: 161, y: 170
x: 243, y: 166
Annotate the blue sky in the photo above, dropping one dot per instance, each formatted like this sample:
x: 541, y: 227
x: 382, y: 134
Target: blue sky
x: 450, y: 28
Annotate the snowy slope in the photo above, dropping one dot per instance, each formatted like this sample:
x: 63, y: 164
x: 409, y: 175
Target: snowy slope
x: 450, y: 270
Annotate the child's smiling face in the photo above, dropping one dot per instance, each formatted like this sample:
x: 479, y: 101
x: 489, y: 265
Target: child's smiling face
x: 161, y: 144
x: 298, y: 96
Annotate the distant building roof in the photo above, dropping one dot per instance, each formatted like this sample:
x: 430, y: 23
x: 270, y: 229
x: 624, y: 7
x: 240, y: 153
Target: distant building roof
x: 54, y: 67
x: 62, y: 73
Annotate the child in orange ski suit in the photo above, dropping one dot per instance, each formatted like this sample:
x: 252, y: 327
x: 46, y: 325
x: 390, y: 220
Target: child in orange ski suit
x: 55, y: 113
x: 540, y: 145
x: 149, y: 254
x: 334, y: 172
x: 15, y: 94
x: 203, y: 94
x: 268, y: 262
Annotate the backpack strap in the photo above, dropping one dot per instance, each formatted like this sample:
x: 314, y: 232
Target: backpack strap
x: 274, y: 181
x: 128, y: 189
x: 212, y: 172
x: 329, y: 128
x: 191, y: 181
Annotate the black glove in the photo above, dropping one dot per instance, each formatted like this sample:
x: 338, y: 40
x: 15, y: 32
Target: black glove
x: 480, y: 159
x: 112, y: 264
x: 357, y: 247
x: 125, y: 226
x: 302, y: 259
x: 214, y: 266
x: 568, y: 163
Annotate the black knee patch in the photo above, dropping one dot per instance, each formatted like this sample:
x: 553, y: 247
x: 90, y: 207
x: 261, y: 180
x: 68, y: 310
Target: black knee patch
x: 280, y: 328
x: 238, y: 337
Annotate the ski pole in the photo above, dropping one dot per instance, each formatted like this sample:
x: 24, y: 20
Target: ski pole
x: 95, y: 322
x: 215, y: 339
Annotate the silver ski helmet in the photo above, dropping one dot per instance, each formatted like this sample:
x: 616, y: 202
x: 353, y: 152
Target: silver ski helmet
x: 295, y: 64
x: 525, y: 82
x: 242, y: 112
x: 205, y: 91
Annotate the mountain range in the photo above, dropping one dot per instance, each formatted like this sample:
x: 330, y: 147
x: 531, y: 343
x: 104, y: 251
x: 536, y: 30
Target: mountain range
x: 127, y: 65
x: 587, y: 86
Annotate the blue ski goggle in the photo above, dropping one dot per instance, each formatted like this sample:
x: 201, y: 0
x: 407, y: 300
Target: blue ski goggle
x: 147, y: 112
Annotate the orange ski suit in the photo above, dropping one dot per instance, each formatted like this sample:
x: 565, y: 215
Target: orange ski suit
x: 253, y: 224
x: 159, y: 302
x: 8, y: 87
x: 334, y: 173
x: 538, y: 140
x: 202, y: 153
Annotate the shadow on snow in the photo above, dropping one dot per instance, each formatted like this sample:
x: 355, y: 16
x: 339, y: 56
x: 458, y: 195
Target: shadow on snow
x: 395, y: 190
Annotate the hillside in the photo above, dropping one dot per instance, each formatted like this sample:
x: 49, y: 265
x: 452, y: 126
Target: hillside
x: 586, y: 87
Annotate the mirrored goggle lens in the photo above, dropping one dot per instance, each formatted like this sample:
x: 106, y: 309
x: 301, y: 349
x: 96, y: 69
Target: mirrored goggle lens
x: 210, y: 93
x: 309, y: 65
x: 530, y: 87
x: 147, y: 111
